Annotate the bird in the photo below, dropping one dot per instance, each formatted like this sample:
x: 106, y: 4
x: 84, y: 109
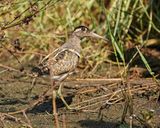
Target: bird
x: 63, y: 61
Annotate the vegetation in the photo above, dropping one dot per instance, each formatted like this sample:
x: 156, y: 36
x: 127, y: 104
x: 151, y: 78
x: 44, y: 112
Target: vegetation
x: 30, y: 29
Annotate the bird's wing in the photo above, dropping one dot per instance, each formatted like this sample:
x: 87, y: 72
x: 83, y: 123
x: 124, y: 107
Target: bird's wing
x: 58, y: 61
x: 57, y: 53
x: 67, y: 49
x: 48, y: 56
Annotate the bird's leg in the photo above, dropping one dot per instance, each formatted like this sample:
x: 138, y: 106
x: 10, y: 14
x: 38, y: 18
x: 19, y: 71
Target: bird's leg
x: 54, y: 106
x: 62, y: 98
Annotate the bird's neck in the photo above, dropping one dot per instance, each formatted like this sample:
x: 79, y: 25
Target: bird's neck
x: 75, y: 42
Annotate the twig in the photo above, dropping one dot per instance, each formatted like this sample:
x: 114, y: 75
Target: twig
x: 55, y: 110
x: 3, y: 71
x: 22, y: 68
x: 19, y: 71
x: 64, y: 120
x: 30, y: 52
x: 10, y: 117
x: 29, y: 122
x: 27, y: 19
x: 18, y: 16
x: 9, y: 68
x: 94, y: 80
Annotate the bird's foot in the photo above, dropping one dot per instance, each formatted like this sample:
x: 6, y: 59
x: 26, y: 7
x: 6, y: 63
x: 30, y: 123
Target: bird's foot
x: 59, y: 94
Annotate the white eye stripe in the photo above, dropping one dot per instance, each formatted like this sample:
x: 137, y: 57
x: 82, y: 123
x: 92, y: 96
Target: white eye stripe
x: 77, y: 30
x: 81, y: 29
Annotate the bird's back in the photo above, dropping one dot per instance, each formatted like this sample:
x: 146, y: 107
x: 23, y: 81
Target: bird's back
x: 64, y: 62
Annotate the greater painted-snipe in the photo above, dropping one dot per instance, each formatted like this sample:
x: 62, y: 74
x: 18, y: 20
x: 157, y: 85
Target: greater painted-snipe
x: 63, y: 61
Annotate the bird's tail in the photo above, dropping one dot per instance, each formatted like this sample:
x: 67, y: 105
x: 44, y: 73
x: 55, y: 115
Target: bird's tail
x: 40, y: 70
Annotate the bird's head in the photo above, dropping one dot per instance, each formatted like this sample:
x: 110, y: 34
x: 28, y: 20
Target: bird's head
x: 83, y: 31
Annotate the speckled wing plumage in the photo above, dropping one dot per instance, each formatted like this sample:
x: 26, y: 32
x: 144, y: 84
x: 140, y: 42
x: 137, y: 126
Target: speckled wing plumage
x: 60, y: 63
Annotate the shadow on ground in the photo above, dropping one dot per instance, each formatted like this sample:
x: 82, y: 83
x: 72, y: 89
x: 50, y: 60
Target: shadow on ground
x: 47, y: 105
x: 102, y: 124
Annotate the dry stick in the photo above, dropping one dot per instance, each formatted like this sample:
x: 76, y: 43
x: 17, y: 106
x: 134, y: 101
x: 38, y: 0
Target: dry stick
x: 8, y: 116
x: 96, y: 98
x: 126, y: 104
x: 55, y: 110
x: 16, y: 70
x: 99, y: 80
x: 9, y: 68
x: 30, y: 52
x: 114, y: 100
x: 18, y: 16
x: 107, y: 95
x: 93, y: 99
x: 107, y: 80
x: 97, y: 109
x: 11, y: 80
x: 30, y: 16
x: 64, y: 120
x: 22, y: 68
x: 28, y: 120
x: 130, y: 101
x: 54, y: 106
x: 5, y: 70
x: 99, y: 102
x: 2, y: 124
x: 32, y: 86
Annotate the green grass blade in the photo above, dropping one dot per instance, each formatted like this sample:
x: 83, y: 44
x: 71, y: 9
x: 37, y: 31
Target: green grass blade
x: 145, y: 62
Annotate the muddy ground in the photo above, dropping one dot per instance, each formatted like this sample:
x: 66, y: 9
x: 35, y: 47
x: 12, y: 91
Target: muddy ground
x: 101, y: 101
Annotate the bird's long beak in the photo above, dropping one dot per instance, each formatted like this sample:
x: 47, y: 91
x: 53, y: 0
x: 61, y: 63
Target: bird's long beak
x: 94, y: 35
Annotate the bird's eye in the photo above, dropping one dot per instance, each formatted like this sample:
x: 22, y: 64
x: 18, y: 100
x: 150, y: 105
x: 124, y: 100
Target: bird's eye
x: 83, y: 29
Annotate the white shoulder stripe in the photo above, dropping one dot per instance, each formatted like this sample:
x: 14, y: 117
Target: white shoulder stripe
x: 68, y: 49
x: 74, y: 51
x: 64, y: 49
